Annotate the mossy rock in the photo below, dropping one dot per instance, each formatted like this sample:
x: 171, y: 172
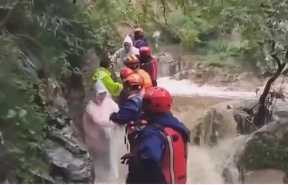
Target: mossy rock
x: 267, y: 149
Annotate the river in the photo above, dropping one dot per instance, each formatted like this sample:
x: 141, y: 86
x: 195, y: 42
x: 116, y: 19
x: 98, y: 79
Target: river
x: 206, y: 164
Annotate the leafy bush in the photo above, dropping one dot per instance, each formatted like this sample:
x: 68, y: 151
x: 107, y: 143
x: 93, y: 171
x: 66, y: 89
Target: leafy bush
x: 22, y: 121
x: 40, y: 40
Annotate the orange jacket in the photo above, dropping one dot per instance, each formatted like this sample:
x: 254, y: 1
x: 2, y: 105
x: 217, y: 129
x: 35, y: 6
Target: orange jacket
x: 146, y: 77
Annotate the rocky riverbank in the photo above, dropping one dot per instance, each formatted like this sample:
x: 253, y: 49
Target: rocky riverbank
x: 67, y: 157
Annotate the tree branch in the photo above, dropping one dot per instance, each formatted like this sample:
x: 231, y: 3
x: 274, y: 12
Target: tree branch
x: 9, y: 14
x: 260, y: 117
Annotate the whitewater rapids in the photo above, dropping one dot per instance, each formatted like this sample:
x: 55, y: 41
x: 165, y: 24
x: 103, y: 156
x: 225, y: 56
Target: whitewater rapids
x: 205, y: 163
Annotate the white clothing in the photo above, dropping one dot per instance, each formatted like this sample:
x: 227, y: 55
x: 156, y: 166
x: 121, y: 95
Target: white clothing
x: 121, y: 54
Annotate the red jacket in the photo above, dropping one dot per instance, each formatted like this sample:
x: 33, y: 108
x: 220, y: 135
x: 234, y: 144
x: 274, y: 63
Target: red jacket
x: 151, y: 67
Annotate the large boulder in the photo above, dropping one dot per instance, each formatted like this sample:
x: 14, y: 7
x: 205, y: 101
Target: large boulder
x: 245, y: 111
x: 268, y: 147
x: 215, y: 124
x: 243, y: 114
x: 65, y: 154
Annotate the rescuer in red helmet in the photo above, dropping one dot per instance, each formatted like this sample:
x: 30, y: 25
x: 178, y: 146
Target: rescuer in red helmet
x: 124, y: 73
x: 148, y: 64
x: 159, y: 155
x: 133, y: 63
x: 131, y: 108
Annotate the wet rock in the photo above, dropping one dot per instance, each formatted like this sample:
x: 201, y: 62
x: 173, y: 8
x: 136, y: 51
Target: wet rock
x: 215, y: 124
x: 66, y: 155
x: 244, y: 122
x: 281, y: 109
x: 268, y: 147
x: 167, y: 64
x: 66, y: 138
x: 267, y: 176
x: 243, y: 114
x: 66, y: 165
x: 228, y: 177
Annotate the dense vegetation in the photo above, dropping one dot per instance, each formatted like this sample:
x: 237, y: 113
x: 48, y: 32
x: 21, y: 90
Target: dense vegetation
x: 43, y: 39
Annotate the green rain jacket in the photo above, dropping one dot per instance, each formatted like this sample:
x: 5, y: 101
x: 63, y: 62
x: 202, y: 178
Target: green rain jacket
x: 104, y: 75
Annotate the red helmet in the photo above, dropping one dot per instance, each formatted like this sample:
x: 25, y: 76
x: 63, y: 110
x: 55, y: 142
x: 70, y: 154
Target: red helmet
x: 132, y: 61
x: 125, y: 72
x: 157, y: 99
x: 145, y: 51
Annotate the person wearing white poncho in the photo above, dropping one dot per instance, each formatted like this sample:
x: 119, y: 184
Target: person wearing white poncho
x: 98, y: 131
x: 127, y: 50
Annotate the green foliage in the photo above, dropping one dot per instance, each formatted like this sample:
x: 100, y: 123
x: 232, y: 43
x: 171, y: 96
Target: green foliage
x: 22, y: 122
x: 52, y: 35
x: 259, y: 155
x: 200, y: 25
x: 47, y: 36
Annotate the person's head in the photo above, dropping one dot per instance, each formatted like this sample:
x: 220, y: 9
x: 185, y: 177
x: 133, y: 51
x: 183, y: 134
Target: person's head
x: 133, y: 84
x: 125, y: 72
x: 100, y: 92
x: 156, y: 100
x: 105, y: 64
x: 132, y: 62
x: 138, y: 33
x: 127, y: 46
x: 145, y: 52
x: 127, y: 43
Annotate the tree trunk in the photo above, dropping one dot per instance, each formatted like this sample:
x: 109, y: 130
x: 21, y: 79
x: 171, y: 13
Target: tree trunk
x: 260, y: 118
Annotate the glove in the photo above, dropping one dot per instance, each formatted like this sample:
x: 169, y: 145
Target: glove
x: 126, y: 158
x: 113, y: 116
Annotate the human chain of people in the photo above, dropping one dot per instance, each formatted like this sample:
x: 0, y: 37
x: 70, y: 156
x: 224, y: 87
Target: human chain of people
x: 156, y: 141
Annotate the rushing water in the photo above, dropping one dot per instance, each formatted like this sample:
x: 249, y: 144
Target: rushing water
x: 193, y: 104
x: 188, y: 88
x: 205, y: 163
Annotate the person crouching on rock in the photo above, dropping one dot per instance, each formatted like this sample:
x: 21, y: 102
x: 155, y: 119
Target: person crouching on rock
x: 160, y: 153
x: 148, y: 64
x: 133, y: 63
x: 96, y: 126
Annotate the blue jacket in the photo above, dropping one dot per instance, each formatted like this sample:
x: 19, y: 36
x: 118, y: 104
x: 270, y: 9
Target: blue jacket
x: 140, y: 43
x: 129, y: 110
x: 147, y: 169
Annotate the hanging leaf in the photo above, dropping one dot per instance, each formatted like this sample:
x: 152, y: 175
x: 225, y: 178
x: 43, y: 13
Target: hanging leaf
x: 11, y: 113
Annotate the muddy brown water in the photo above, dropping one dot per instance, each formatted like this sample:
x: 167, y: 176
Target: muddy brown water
x: 203, y: 161
x: 197, y: 105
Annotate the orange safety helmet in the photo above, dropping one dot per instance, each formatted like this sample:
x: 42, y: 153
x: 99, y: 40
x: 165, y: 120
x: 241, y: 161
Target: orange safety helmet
x: 157, y: 99
x: 125, y: 72
x: 145, y: 51
x: 131, y: 61
x: 134, y: 80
